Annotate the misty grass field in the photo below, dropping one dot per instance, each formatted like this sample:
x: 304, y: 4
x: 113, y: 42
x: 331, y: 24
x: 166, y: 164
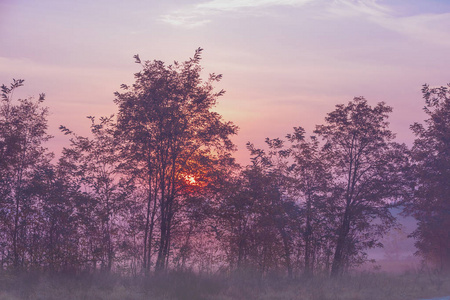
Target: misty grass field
x: 186, y: 285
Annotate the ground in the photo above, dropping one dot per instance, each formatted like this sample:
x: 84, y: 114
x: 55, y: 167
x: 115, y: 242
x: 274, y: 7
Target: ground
x: 239, y: 286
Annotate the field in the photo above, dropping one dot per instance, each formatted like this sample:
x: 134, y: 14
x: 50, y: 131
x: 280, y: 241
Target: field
x: 186, y: 285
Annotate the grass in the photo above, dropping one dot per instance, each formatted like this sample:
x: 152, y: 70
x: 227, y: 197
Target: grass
x: 186, y: 285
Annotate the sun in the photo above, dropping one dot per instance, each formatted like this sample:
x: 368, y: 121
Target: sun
x: 190, y: 179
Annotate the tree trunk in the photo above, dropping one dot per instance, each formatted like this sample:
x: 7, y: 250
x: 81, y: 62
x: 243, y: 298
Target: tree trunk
x: 150, y: 234
x: 160, y: 261
x: 308, y: 234
x: 338, y: 261
x: 15, y: 233
x: 146, y: 233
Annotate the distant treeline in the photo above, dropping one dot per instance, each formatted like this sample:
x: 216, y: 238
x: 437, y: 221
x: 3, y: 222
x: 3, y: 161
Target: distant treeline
x: 156, y: 187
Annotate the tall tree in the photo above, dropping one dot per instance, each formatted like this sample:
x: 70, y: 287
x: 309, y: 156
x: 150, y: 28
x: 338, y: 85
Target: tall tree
x: 257, y: 221
x: 431, y: 158
x: 367, y: 168
x: 311, y: 186
x: 95, y: 169
x: 280, y: 215
x: 55, y: 240
x: 23, y: 131
x: 165, y: 122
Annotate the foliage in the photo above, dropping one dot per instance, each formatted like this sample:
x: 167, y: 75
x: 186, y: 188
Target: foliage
x: 368, y: 176
x: 311, y: 184
x: 431, y: 157
x: 257, y: 224
x: 155, y: 188
x: 23, y: 126
x: 103, y: 204
x: 170, y: 135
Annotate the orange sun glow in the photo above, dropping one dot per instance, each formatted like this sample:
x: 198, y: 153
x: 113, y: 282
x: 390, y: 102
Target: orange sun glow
x: 190, y: 179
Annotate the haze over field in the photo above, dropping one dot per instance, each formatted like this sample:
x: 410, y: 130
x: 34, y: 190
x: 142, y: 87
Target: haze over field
x: 285, y: 62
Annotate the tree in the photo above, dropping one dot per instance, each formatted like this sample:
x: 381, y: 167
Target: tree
x: 95, y: 170
x: 166, y: 125
x: 431, y: 158
x: 367, y: 168
x: 23, y: 127
x: 311, y: 186
x: 257, y: 221
x: 270, y: 181
x: 55, y: 244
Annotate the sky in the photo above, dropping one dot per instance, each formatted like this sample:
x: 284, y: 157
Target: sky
x: 285, y: 63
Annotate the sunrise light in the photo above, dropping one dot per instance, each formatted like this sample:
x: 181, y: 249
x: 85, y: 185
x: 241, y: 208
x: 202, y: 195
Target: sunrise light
x: 190, y: 179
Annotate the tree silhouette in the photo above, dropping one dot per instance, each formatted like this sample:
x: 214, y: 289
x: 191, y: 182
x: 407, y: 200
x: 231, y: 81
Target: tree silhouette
x: 166, y: 126
x: 367, y: 168
x: 311, y: 178
x: 256, y: 223
x: 157, y: 188
x: 23, y: 127
x: 431, y: 158
x: 55, y: 245
x: 94, y: 165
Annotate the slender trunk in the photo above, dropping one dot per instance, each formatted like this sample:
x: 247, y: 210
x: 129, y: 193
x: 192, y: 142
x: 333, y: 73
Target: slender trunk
x: 147, y: 217
x: 107, y: 233
x: 308, y: 234
x: 185, y: 247
x: 152, y: 225
x: 110, y: 248
x: 146, y: 231
x: 338, y: 262
x: 163, y: 222
x: 16, y: 227
x: 287, y: 254
x: 16, y: 220
x: 167, y: 214
x: 17, y: 196
x: 51, y: 245
x: 170, y: 210
x: 286, y: 247
x: 241, y: 245
x: 160, y: 259
x: 166, y: 245
x: 167, y: 249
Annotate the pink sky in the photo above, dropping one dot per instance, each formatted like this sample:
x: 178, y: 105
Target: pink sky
x: 285, y: 63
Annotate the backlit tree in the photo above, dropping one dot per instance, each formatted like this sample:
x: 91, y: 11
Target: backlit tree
x: 431, y: 158
x: 167, y: 125
x: 367, y: 169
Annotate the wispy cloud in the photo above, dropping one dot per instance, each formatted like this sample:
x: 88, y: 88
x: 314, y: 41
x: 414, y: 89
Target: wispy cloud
x: 200, y: 14
x: 432, y: 28
x: 427, y: 27
x: 349, y: 8
x: 232, y: 5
